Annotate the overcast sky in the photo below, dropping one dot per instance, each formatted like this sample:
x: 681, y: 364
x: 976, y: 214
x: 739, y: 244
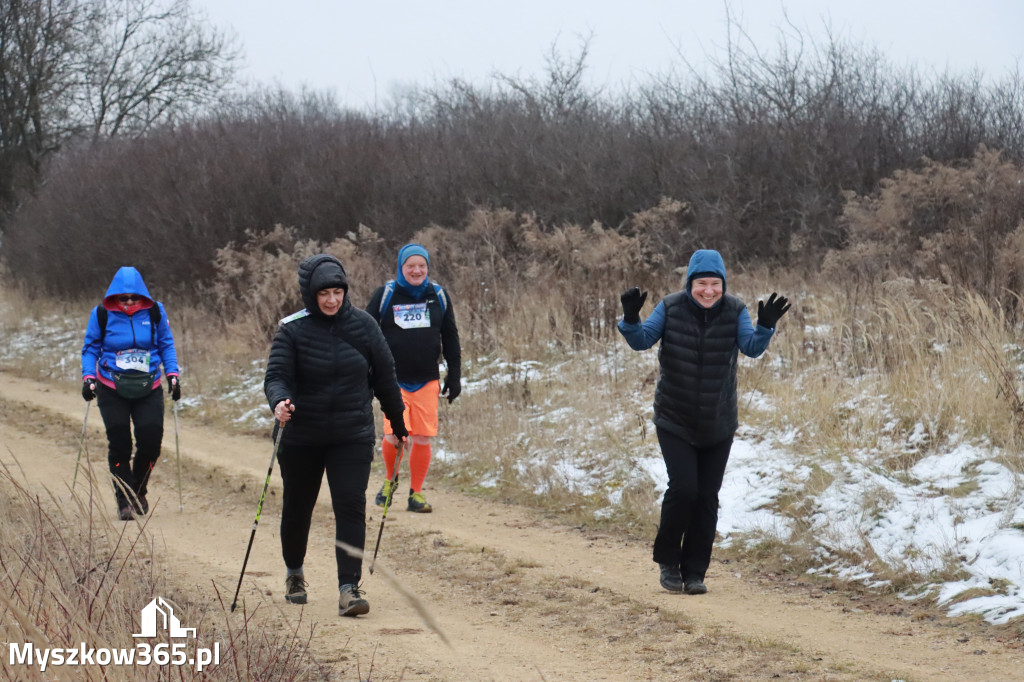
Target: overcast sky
x: 362, y: 50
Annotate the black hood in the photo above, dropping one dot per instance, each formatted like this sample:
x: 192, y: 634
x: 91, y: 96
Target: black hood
x: 321, y: 271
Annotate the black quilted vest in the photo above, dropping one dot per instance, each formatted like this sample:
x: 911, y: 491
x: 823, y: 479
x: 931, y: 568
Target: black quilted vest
x: 696, y: 394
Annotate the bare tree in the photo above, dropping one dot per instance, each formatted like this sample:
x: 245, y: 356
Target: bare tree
x: 37, y: 41
x: 147, y: 61
x: 88, y: 69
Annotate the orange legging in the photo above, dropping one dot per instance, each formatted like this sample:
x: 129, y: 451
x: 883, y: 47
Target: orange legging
x: 419, y: 462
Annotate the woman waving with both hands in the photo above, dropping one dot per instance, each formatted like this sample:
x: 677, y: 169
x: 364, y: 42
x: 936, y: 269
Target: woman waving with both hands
x: 701, y: 329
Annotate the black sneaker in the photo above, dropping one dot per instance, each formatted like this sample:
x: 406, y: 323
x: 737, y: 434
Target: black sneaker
x: 141, y: 505
x: 694, y: 586
x: 125, y: 514
x: 671, y: 578
x: 295, y: 589
x: 418, y: 504
x: 351, y: 602
x: 382, y: 495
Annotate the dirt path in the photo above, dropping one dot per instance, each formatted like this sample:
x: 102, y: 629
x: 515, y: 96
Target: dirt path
x: 518, y: 597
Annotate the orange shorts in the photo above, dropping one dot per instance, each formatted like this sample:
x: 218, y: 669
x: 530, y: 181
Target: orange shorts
x: 420, y: 410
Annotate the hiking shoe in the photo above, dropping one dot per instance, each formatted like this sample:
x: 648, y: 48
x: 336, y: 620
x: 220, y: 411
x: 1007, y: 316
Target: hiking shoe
x: 418, y: 503
x: 695, y: 586
x: 125, y: 514
x: 671, y: 578
x: 351, y: 602
x: 295, y: 589
x: 382, y: 496
x: 141, y: 505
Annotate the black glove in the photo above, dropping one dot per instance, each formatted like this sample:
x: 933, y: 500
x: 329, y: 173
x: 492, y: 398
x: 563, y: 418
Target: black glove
x: 768, y: 314
x: 174, y: 388
x: 88, y: 389
x: 398, y: 428
x: 452, y: 388
x: 632, y: 302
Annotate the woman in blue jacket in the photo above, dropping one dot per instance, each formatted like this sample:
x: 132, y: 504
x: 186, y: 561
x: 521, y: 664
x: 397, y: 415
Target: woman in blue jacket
x: 701, y: 330
x: 127, y: 341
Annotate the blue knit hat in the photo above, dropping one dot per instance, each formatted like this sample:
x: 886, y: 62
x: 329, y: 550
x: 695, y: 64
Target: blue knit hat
x: 404, y: 254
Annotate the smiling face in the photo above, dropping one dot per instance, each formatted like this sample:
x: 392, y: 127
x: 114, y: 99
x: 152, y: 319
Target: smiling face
x: 414, y: 269
x: 330, y: 300
x: 707, y: 291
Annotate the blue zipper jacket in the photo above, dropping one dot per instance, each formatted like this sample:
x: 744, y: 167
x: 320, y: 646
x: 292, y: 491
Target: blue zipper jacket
x: 128, y: 345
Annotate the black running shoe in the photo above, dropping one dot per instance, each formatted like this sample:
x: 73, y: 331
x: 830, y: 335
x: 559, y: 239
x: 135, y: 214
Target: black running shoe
x: 695, y: 586
x: 419, y: 504
x: 671, y: 578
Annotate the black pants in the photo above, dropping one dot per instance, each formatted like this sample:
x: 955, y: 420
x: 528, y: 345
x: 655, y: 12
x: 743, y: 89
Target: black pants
x: 689, y: 511
x: 348, y: 472
x: 119, y: 415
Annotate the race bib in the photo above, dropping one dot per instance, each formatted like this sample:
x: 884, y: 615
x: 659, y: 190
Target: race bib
x: 412, y: 316
x: 134, y: 359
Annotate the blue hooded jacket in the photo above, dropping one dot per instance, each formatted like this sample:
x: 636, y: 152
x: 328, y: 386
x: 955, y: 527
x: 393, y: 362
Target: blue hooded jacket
x: 128, y: 329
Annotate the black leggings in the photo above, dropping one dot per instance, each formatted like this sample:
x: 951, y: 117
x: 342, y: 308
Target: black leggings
x: 119, y: 415
x: 689, y: 511
x: 348, y: 472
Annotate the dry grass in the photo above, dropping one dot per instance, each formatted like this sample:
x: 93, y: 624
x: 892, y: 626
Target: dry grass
x: 71, y: 576
x: 556, y: 411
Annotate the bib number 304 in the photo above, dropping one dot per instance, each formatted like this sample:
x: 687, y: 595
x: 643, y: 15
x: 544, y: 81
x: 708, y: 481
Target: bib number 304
x: 133, y: 359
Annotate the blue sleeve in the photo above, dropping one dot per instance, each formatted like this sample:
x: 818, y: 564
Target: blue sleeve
x: 641, y: 336
x: 165, y: 342
x: 91, y: 347
x: 752, y: 341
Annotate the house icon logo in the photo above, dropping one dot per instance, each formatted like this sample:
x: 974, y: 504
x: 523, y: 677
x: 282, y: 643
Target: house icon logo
x: 160, y: 613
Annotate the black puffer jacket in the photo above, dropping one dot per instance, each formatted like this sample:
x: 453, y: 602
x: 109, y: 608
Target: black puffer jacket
x: 330, y: 368
x: 416, y: 351
x: 696, y: 394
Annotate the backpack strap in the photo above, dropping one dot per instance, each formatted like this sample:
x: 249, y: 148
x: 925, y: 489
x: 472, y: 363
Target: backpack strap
x: 442, y: 297
x: 154, y: 321
x: 389, y: 291
x: 101, y: 320
x: 362, y: 348
x: 385, y: 299
x: 295, y: 316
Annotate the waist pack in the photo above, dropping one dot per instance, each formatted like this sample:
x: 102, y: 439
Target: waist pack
x: 133, y: 385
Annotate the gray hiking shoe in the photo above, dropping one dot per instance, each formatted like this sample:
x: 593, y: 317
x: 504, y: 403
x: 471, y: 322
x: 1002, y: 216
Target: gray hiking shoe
x: 351, y: 602
x: 695, y: 586
x: 295, y: 589
x: 671, y: 578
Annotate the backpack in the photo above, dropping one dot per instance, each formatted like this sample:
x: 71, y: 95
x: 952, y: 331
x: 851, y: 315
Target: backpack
x: 154, y: 322
x: 389, y: 290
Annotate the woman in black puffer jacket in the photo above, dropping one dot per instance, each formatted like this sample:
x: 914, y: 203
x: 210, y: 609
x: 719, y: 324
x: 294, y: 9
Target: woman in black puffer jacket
x: 326, y: 364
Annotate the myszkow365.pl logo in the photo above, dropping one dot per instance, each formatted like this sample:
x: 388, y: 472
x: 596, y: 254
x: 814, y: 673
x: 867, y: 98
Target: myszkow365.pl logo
x: 157, y: 616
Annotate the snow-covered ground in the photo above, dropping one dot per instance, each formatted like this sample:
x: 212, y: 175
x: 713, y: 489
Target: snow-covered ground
x: 958, y: 508
x: 958, y: 511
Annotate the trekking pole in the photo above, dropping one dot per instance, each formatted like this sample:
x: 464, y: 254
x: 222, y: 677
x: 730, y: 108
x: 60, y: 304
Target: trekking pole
x: 387, y: 502
x: 177, y: 453
x: 278, y: 428
x: 81, y: 444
